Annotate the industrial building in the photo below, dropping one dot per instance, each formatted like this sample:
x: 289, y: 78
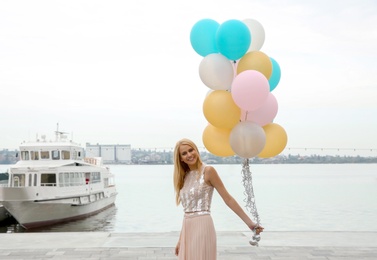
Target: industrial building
x: 110, y: 153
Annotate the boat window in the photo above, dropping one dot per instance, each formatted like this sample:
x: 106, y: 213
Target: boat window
x: 30, y: 177
x: 96, y: 177
x: 66, y: 179
x: 61, y: 179
x: 87, y: 177
x: 71, y: 179
x: 45, y: 155
x: 35, y: 179
x: 48, y: 179
x: 55, y: 155
x: 18, y: 180
x: 34, y: 155
x: 65, y: 155
x: 82, y: 177
x: 76, y: 155
x: 77, y: 179
x: 25, y: 155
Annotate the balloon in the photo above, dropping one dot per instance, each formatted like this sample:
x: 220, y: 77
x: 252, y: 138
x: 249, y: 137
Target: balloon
x: 233, y: 39
x: 255, y: 60
x: 265, y: 114
x: 247, y: 139
x: 250, y: 90
x: 276, y: 140
x: 216, y: 141
x: 216, y: 72
x: 275, y: 76
x: 203, y: 37
x: 257, y: 34
x: 220, y: 110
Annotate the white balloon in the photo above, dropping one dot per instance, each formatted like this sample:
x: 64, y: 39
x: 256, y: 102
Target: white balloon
x: 216, y: 72
x: 257, y: 34
x: 247, y: 139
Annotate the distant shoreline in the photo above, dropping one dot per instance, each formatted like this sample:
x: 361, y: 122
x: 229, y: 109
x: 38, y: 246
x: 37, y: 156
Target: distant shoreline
x: 153, y: 157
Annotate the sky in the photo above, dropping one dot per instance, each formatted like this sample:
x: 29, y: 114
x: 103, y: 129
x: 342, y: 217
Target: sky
x: 124, y: 72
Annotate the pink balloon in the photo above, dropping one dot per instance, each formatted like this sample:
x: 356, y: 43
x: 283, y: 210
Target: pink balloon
x: 250, y: 90
x: 264, y: 114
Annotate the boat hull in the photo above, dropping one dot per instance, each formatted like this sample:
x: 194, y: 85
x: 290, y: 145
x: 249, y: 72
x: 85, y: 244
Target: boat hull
x: 34, y: 214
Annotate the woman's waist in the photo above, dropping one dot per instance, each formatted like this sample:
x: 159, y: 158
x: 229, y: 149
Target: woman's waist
x: 196, y: 207
x: 197, y: 213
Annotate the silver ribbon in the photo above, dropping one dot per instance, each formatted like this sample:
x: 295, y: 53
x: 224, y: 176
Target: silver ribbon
x: 247, y: 181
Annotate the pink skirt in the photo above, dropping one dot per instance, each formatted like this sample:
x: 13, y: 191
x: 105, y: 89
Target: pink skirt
x: 198, y: 238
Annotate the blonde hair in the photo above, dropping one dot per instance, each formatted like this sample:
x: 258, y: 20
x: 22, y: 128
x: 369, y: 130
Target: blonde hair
x: 180, y: 168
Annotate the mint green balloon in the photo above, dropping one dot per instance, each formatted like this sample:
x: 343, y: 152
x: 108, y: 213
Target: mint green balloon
x: 203, y: 37
x: 275, y: 76
x: 233, y: 39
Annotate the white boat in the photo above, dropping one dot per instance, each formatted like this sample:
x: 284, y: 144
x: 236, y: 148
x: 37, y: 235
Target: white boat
x: 53, y: 182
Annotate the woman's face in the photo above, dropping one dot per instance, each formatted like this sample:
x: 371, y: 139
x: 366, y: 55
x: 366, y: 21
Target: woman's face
x: 188, y: 155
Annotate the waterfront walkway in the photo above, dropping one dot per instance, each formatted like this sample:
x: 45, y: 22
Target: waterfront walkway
x: 146, y: 246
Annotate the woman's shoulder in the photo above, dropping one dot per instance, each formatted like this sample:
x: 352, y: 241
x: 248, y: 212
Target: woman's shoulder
x: 208, y: 168
x: 210, y: 174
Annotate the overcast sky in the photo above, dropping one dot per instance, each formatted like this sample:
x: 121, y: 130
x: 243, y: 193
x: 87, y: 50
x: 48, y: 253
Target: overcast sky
x: 124, y: 72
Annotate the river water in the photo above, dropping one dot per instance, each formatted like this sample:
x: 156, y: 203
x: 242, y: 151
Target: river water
x: 289, y: 197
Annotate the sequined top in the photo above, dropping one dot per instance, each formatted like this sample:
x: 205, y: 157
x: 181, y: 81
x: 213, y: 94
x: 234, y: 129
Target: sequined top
x: 196, y: 194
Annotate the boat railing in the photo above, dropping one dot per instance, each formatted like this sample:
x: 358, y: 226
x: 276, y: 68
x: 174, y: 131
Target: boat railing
x: 93, y: 160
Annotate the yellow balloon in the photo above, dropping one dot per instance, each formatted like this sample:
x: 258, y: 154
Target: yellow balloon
x: 276, y: 140
x: 220, y: 110
x: 216, y: 141
x: 255, y: 60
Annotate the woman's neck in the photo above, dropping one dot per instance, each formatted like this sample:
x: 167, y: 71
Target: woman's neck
x: 195, y: 167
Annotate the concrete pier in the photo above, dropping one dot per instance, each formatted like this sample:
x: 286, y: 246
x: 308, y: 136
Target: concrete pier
x: 231, y: 245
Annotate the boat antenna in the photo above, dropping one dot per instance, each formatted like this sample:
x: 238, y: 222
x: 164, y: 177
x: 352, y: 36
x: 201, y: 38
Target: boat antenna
x: 58, y: 134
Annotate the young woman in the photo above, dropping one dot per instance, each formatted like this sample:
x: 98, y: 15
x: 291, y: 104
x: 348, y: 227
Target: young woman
x: 194, y: 183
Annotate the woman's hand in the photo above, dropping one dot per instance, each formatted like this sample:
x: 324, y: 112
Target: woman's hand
x: 258, y: 228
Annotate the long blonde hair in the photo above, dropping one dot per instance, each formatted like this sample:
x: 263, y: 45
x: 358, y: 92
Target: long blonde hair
x: 180, y: 168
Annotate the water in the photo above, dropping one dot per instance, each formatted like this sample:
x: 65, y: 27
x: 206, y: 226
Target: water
x: 299, y: 197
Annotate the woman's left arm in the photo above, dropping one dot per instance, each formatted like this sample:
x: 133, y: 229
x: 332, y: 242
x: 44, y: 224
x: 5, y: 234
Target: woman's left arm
x: 212, y: 178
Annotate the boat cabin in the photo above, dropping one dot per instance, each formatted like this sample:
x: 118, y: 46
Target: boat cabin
x: 35, y: 153
x: 39, y: 164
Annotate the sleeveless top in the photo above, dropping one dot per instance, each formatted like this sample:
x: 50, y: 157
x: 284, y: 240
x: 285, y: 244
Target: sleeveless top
x: 196, y: 194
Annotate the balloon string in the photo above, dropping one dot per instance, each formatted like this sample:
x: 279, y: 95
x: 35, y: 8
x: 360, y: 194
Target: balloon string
x: 249, y: 192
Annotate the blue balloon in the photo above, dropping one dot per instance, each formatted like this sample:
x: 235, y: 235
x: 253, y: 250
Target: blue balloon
x: 203, y: 37
x: 275, y: 76
x: 233, y: 39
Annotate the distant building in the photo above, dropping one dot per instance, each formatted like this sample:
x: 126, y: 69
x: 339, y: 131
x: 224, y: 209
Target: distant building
x: 110, y: 153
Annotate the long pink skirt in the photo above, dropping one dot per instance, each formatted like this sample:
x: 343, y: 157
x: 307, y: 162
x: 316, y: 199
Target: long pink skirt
x: 198, y: 238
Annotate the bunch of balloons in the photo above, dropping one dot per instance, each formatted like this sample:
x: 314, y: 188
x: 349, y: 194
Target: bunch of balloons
x: 240, y: 106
